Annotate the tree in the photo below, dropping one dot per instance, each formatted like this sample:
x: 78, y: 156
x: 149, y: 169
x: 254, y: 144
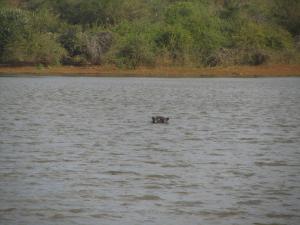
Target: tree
x: 41, y: 48
x: 14, y: 25
x: 133, y: 51
x: 286, y: 13
x: 176, y: 41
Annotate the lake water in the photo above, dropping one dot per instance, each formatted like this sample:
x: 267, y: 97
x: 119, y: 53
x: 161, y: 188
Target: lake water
x: 84, y: 151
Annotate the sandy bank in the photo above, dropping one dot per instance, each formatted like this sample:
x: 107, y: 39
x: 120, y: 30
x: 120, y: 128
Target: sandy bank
x: 109, y: 71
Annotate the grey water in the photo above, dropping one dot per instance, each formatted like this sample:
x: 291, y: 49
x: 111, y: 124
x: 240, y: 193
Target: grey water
x: 84, y: 151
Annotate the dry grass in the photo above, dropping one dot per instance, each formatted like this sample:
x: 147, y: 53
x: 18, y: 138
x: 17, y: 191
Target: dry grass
x: 110, y: 71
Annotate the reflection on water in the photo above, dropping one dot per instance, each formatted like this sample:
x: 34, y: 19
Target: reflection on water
x: 84, y: 151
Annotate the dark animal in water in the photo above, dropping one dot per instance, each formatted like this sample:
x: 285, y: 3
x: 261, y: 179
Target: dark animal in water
x: 160, y: 119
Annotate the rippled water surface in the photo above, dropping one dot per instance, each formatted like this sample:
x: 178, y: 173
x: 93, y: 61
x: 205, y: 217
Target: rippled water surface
x: 84, y: 151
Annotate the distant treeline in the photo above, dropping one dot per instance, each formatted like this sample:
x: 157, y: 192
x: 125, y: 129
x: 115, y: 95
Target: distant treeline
x: 136, y: 33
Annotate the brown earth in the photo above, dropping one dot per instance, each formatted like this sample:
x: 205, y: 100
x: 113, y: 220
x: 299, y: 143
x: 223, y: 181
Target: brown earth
x: 110, y: 71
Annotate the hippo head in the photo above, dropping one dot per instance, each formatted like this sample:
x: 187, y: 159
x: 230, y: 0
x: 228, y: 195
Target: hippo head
x: 160, y: 119
x: 153, y: 119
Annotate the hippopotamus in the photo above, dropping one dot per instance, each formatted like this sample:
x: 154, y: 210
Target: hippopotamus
x: 160, y: 119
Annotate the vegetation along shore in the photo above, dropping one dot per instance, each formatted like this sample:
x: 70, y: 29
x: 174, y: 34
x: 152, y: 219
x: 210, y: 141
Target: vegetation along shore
x: 150, y: 37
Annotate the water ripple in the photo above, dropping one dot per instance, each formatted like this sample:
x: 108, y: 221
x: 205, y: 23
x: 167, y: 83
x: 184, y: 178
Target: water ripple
x: 84, y: 151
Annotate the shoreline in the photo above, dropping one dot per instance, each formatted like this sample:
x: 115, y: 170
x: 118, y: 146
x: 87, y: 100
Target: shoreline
x: 176, y: 72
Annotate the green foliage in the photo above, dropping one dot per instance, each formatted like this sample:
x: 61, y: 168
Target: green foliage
x: 204, y: 29
x: 176, y: 41
x: 231, y: 10
x: 44, y: 49
x: 41, y: 48
x: 84, y: 12
x: 256, y: 36
x: 72, y: 40
x: 14, y: 25
x: 137, y: 40
x: 278, y: 39
x: 21, y: 41
x: 45, y: 21
x: 136, y: 33
x: 3, y: 3
x: 287, y: 14
x: 133, y: 51
x: 89, y: 46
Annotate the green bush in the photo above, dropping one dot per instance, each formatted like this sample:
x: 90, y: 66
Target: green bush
x: 3, y: 3
x: 261, y: 36
x: 21, y: 41
x: 41, y: 48
x: 278, y: 38
x: 46, y: 21
x: 45, y: 50
x: 72, y: 39
x: 14, y: 25
x: 202, y: 25
x: 176, y: 41
x: 133, y: 51
x: 135, y: 33
x: 286, y: 13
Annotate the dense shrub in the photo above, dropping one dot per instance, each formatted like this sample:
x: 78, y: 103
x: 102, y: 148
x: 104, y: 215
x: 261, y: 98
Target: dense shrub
x: 21, y: 41
x: 139, y: 33
x: 14, y: 26
x: 204, y: 28
x: 71, y: 40
x: 133, y: 51
x: 176, y: 41
x: 41, y: 48
x: 286, y: 13
x: 257, y: 36
x: 255, y: 58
